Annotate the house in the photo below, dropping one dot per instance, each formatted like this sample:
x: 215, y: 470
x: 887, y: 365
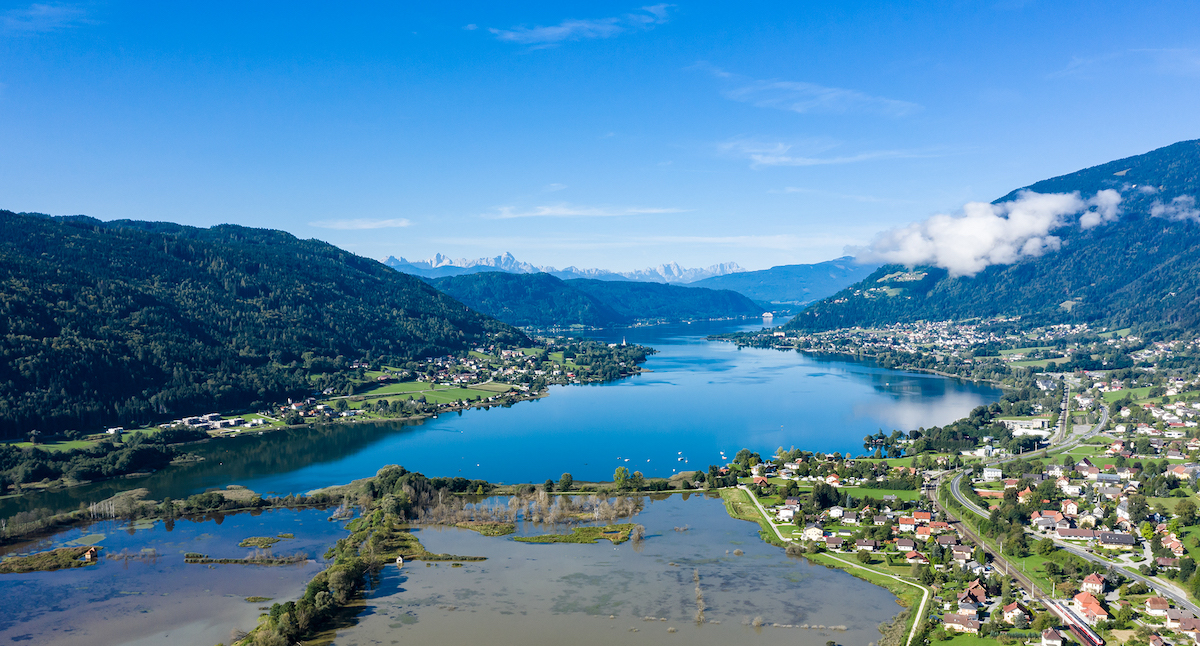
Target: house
x: 1093, y: 583
x: 916, y: 557
x: 836, y: 512
x: 992, y: 474
x: 938, y: 526
x: 947, y: 541
x: 1069, y: 507
x: 834, y: 542
x: 1025, y: 495
x: 814, y: 532
x: 880, y: 521
x: 1165, y: 563
x: 1180, y: 472
x: 1157, y: 606
x: 760, y: 480
x: 922, y: 516
x: 905, y: 544
x: 923, y: 533
x: 850, y: 518
x: 866, y: 544
x: 975, y: 593
x: 833, y: 479
x: 907, y: 524
x: 785, y: 514
x: 1014, y: 611
x: 1051, y: 637
x: 961, y: 623
x: 90, y: 555
x: 1114, y: 540
x: 961, y: 553
x: 1089, y: 608
x: 1175, y: 616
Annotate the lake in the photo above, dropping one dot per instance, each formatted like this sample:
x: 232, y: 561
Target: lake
x: 697, y: 401
x: 597, y: 595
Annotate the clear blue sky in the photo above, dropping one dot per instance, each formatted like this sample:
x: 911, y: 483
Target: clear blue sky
x: 603, y: 135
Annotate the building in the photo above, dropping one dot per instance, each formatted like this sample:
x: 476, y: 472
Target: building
x: 961, y: 623
x: 992, y: 474
x: 834, y: 542
x: 1089, y: 608
x: 1014, y: 611
x: 814, y: 532
x: 1093, y: 583
x: 1052, y: 637
x: 1157, y: 606
x: 1113, y: 540
x: 865, y: 544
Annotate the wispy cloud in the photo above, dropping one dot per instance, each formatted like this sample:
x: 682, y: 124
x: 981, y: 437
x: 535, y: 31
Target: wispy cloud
x: 40, y: 18
x: 577, y: 29
x: 1166, y: 62
x: 777, y: 153
x: 551, y: 188
x: 362, y: 223
x: 805, y: 98
x: 564, y: 210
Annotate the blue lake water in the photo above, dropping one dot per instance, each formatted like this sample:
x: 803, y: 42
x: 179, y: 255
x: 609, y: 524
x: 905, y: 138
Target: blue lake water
x: 697, y: 400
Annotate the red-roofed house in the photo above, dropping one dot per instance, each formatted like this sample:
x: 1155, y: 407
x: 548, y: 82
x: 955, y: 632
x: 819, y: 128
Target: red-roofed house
x: 1015, y: 610
x: 1089, y: 608
x: 1025, y: 495
x: 1093, y: 583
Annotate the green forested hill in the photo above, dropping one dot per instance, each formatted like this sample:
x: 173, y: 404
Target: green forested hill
x: 123, y: 322
x: 791, y: 283
x: 659, y: 301
x: 529, y: 300
x: 544, y: 301
x: 1141, y: 270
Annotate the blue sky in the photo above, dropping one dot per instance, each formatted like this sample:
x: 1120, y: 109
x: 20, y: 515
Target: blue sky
x: 603, y: 135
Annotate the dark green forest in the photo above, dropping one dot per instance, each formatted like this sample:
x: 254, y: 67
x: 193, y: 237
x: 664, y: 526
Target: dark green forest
x: 544, y: 301
x: 132, y: 322
x: 638, y: 300
x: 1141, y: 271
x: 529, y: 300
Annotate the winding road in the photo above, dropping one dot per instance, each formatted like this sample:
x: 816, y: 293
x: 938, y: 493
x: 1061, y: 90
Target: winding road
x: 1175, y: 594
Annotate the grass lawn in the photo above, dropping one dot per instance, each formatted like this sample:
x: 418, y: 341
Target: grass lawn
x: 861, y: 492
x: 1039, y: 363
x: 970, y: 640
x: 1138, y: 393
x: 1005, y: 353
x: 1124, y: 332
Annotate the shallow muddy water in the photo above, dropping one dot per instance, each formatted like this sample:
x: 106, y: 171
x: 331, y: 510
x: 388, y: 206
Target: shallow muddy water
x: 535, y: 594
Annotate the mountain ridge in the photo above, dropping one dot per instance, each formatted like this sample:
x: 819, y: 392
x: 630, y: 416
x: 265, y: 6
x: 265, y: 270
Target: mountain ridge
x: 1143, y: 269
x: 441, y: 266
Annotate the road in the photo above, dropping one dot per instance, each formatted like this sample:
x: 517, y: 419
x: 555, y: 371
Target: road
x: 924, y: 591
x: 1176, y: 595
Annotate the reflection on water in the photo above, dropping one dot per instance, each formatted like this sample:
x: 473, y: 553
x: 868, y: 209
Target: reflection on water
x: 147, y: 595
x: 595, y: 594
x: 700, y: 398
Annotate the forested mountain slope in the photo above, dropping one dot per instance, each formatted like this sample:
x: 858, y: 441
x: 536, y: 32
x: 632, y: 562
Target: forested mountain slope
x: 529, y: 300
x: 1143, y: 269
x: 792, y: 283
x: 660, y: 301
x: 544, y: 301
x: 123, y: 322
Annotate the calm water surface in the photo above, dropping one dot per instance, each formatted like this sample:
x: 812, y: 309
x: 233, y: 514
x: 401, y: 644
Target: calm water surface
x: 153, y: 597
x: 603, y: 594
x: 699, y: 399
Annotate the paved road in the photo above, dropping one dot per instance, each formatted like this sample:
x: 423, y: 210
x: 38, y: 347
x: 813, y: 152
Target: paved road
x: 924, y: 591
x: 1166, y: 590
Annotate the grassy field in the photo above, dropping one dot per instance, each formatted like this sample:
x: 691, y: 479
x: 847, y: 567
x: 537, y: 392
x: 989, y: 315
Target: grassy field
x: 1138, y: 393
x: 1006, y: 353
x: 616, y: 534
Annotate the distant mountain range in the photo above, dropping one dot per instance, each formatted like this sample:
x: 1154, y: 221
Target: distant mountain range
x: 1139, y: 267
x: 792, y: 284
x: 544, y: 301
x: 441, y: 266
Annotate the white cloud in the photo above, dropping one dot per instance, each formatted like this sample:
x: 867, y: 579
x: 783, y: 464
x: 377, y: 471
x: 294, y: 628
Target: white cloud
x: 551, y: 188
x: 984, y: 234
x: 471, y: 27
x: 1180, y: 208
x: 778, y: 153
x: 575, y: 29
x: 805, y: 98
x: 40, y: 18
x: 362, y: 223
x: 1106, y: 207
x: 564, y: 210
